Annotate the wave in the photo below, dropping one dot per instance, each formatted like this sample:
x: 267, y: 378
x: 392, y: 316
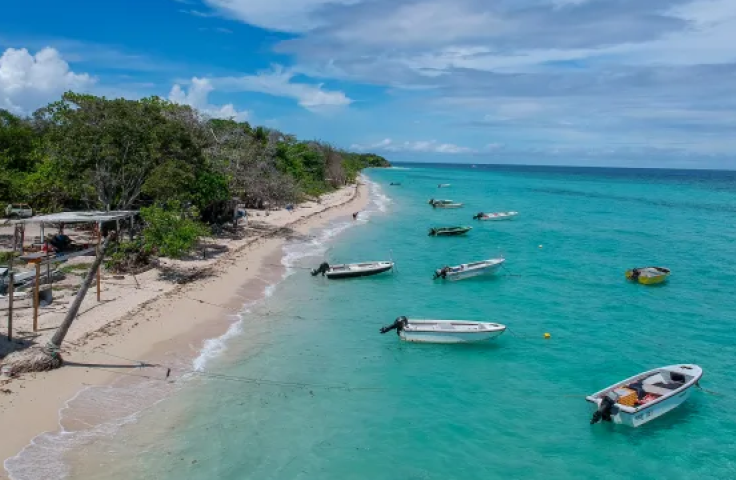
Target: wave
x: 120, y: 405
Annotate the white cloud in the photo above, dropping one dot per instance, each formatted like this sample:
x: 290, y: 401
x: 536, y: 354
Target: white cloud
x: 421, y: 146
x: 197, y: 97
x: 29, y: 81
x: 278, y: 82
x: 283, y: 15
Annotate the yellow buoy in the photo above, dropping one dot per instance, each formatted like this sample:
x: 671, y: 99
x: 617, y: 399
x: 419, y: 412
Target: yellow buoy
x: 547, y: 336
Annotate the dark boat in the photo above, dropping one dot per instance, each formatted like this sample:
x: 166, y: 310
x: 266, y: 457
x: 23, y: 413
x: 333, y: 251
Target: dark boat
x: 448, y: 231
x: 352, y: 270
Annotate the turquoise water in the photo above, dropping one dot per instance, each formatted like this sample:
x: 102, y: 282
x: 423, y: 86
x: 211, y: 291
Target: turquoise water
x: 373, y: 407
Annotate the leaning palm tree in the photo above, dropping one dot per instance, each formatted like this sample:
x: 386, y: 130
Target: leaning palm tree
x: 40, y: 359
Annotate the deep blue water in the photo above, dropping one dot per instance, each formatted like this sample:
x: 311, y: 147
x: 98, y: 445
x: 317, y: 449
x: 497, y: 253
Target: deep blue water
x: 372, y: 407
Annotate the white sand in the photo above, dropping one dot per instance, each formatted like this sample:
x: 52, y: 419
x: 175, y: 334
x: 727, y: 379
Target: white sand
x: 153, y: 318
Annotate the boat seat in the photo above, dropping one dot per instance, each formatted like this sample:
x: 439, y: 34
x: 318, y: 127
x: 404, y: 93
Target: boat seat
x: 661, y: 388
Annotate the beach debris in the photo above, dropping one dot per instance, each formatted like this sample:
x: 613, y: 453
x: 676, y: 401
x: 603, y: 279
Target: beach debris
x: 183, y: 276
x: 33, y: 359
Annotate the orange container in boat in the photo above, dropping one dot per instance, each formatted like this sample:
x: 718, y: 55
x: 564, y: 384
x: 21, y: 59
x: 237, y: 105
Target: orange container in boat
x: 626, y: 396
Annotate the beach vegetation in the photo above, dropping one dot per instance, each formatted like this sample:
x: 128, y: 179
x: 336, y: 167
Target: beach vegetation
x: 89, y: 152
x: 171, y: 231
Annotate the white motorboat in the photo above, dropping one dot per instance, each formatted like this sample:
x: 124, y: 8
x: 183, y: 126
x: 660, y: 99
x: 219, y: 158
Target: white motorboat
x: 443, y: 185
x: 444, y: 331
x: 495, y: 216
x: 469, y: 270
x: 644, y: 397
x: 444, y: 204
x: 351, y: 270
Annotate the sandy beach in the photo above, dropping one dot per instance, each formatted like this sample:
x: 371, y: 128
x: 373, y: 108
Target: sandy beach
x: 156, y: 320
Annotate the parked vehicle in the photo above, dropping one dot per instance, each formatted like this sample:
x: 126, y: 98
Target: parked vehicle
x: 18, y: 210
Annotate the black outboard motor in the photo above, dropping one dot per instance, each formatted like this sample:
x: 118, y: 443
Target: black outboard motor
x: 323, y: 268
x: 604, y: 412
x: 635, y: 272
x: 431, y: 201
x: 432, y: 232
x: 398, y: 325
x: 477, y: 216
x: 441, y: 272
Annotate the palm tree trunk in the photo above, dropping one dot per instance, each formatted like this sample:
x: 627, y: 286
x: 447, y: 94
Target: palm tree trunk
x: 61, y: 332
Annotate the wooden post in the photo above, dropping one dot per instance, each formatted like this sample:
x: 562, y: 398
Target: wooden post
x: 11, y: 278
x: 35, y: 296
x: 99, y: 240
x: 22, y: 237
x: 11, y: 287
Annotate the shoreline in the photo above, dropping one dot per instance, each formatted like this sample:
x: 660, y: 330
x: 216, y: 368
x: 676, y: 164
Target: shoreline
x: 182, y: 318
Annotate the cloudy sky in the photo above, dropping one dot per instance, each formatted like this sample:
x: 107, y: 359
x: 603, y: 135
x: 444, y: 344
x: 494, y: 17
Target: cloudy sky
x: 580, y: 82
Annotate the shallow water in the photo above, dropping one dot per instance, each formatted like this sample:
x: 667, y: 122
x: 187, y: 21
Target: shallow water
x: 316, y: 392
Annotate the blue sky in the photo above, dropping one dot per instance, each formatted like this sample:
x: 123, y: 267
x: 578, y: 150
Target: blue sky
x: 582, y: 82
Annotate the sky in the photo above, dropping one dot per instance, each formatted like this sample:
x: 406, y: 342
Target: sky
x: 641, y: 83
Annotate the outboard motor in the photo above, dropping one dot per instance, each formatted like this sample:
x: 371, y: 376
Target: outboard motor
x: 398, y: 325
x: 323, y: 268
x: 432, y: 232
x: 431, y: 201
x: 477, y: 216
x: 635, y: 272
x: 605, y: 410
x: 441, y: 272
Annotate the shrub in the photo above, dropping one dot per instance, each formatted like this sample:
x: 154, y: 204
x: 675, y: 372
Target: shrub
x: 128, y: 257
x: 170, y: 232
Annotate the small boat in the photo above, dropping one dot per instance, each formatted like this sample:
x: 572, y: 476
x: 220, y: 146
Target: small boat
x: 469, y: 270
x: 644, y: 397
x: 444, y: 204
x: 397, y: 184
x: 444, y: 331
x: 648, y: 275
x: 443, y: 185
x: 495, y: 216
x: 351, y: 270
x: 448, y: 231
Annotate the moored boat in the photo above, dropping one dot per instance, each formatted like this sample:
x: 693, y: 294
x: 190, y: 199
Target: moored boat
x: 644, y: 397
x: 495, y: 216
x: 444, y: 331
x: 444, y: 203
x: 648, y: 275
x: 352, y: 270
x: 443, y: 185
x: 469, y: 270
x: 448, y: 231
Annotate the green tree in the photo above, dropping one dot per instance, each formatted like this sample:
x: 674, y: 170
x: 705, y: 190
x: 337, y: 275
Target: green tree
x: 119, y: 143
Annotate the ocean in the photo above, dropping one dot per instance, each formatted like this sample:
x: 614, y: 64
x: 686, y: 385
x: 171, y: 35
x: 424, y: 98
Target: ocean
x: 307, y: 387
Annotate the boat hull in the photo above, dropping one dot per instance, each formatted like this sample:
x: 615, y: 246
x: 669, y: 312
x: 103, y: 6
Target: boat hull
x: 498, y: 218
x: 477, y: 272
x: 449, y: 206
x: 648, y: 279
x: 647, y: 414
x: 438, y: 232
x: 357, y: 273
x: 449, y: 337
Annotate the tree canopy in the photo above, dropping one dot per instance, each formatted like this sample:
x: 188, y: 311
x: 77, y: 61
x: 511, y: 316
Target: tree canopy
x: 85, y: 151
